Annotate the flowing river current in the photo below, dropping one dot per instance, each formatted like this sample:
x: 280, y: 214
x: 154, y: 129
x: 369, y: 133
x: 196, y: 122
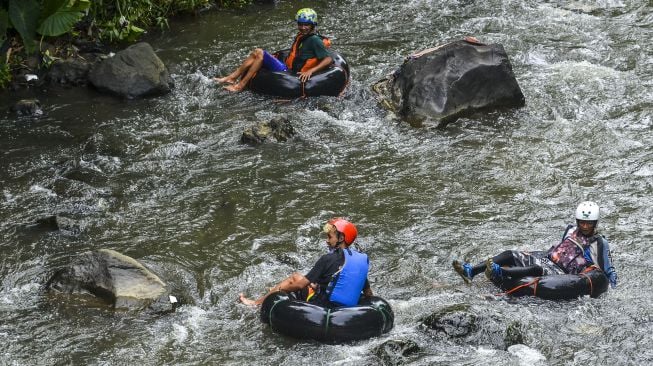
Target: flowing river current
x: 166, y: 181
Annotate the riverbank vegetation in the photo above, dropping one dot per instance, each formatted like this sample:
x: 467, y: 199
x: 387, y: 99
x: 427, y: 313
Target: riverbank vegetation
x: 26, y: 25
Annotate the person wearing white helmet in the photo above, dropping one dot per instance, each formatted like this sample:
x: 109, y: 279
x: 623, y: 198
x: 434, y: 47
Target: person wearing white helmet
x: 308, y: 55
x: 581, y: 248
x: 338, y: 278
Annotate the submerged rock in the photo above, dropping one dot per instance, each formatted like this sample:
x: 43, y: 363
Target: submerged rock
x: 396, y: 351
x: 119, y: 280
x: 278, y: 129
x: 133, y: 72
x: 27, y: 107
x: 449, y: 81
x: 460, y: 323
x: 454, y: 321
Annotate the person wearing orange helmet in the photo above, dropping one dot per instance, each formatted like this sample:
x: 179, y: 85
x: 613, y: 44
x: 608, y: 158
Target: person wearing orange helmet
x: 337, y: 279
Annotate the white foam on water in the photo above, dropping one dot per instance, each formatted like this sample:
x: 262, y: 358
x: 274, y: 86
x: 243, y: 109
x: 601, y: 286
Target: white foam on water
x: 41, y: 190
x: 527, y: 356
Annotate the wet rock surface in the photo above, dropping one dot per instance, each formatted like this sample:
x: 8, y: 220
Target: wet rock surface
x: 449, y: 81
x: 119, y: 280
x: 278, y: 129
x: 396, y: 351
x: 27, y: 107
x: 131, y: 73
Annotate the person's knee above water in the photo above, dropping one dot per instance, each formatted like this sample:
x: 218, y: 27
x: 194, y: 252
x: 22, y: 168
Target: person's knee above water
x: 308, y: 55
x: 581, y: 248
x: 337, y: 278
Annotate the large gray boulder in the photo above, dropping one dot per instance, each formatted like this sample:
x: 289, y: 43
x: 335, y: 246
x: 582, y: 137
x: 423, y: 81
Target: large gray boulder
x: 449, y: 81
x: 133, y: 72
x: 121, y: 281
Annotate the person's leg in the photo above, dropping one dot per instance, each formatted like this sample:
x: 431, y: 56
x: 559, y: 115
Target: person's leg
x: 272, y: 63
x: 495, y: 271
x: 254, y: 67
x: 244, y: 66
x: 518, y: 272
x: 505, y: 258
x: 468, y: 272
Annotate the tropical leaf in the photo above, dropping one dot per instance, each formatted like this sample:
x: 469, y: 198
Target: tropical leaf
x: 59, y: 23
x: 80, y: 5
x: 61, y: 19
x: 50, y: 7
x: 134, y: 33
x: 24, y: 15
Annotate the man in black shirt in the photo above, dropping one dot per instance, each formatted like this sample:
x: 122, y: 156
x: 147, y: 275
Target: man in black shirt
x: 314, y: 286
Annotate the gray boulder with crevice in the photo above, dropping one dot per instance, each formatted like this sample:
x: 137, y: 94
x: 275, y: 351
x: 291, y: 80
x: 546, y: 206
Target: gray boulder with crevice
x: 131, y: 73
x: 121, y: 281
x: 463, y: 324
x: 451, y: 81
x: 278, y: 129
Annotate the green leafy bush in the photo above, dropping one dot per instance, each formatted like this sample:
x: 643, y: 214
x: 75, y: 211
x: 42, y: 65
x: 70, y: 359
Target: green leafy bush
x: 48, y: 18
x: 118, y: 20
x: 5, y: 74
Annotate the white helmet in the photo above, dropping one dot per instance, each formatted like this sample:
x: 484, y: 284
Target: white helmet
x: 587, y: 211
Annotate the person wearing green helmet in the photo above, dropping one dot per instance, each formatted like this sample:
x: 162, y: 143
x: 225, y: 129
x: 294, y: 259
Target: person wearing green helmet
x: 307, y: 56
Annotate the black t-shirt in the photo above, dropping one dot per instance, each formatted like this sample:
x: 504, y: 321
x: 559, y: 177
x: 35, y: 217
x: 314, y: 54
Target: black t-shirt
x: 326, y: 266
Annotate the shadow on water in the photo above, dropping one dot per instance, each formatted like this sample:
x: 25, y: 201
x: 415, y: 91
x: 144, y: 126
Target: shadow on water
x: 165, y: 180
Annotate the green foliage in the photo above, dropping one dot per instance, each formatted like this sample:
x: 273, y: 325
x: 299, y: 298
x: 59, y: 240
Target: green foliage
x: 113, y: 20
x: 60, y: 16
x: 24, y: 15
x: 234, y: 3
x: 118, y: 20
x: 47, y: 18
x: 5, y: 74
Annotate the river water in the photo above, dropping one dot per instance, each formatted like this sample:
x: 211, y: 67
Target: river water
x: 165, y: 180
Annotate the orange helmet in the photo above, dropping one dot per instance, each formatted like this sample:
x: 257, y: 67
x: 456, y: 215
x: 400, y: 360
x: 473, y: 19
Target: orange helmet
x: 345, y: 227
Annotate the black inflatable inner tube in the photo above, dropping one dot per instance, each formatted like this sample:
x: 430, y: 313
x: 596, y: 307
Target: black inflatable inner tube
x: 556, y: 287
x: 370, y: 318
x: 330, y: 81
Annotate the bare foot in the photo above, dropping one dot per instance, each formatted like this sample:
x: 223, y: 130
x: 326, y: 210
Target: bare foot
x: 225, y: 80
x: 235, y: 88
x: 246, y: 301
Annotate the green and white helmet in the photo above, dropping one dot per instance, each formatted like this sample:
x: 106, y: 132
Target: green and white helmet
x: 306, y: 15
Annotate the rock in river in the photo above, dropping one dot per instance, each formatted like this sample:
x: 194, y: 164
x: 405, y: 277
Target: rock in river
x: 449, y: 81
x: 133, y: 72
x: 121, y: 281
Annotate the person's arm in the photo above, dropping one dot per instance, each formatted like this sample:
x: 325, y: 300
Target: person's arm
x: 367, y: 290
x: 324, y: 63
x: 294, y: 282
x: 608, y: 268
